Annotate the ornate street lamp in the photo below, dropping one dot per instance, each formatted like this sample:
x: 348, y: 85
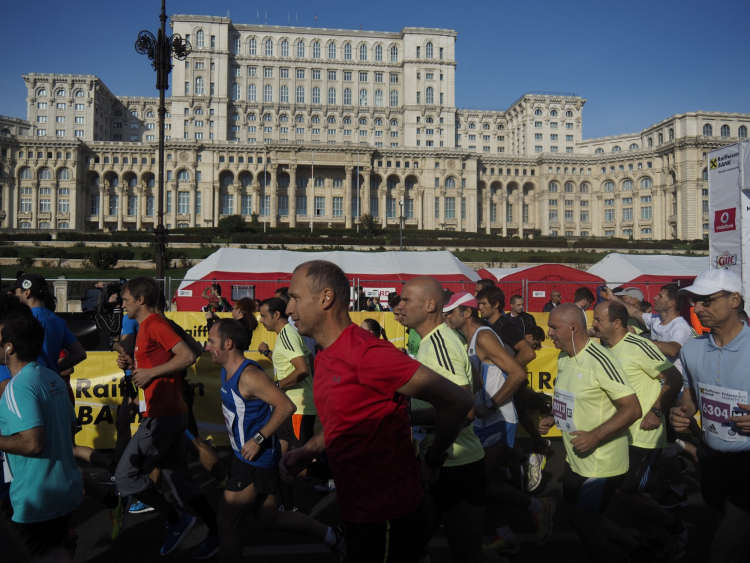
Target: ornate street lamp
x: 161, y: 50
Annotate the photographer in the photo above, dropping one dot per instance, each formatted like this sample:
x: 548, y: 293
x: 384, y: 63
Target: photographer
x: 216, y: 303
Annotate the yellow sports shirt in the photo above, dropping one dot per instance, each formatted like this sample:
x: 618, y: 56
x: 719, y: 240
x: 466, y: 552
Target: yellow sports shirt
x: 289, y: 345
x: 442, y: 351
x: 642, y: 363
x: 585, y: 387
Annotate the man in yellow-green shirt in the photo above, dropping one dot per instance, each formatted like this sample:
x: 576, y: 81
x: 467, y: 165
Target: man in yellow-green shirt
x: 656, y: 382
x: 293, y: 374
x: 460, y: 490
x: 594, y: 405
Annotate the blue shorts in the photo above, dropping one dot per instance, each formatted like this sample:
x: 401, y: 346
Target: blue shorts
x: 589, y: 494
x: 502, y: 431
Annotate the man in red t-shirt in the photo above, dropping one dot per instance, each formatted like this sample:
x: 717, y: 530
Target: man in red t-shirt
x: 361, y: 390
x: 160, y: 355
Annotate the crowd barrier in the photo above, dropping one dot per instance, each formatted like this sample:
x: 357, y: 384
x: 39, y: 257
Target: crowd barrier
x: 98, y: 382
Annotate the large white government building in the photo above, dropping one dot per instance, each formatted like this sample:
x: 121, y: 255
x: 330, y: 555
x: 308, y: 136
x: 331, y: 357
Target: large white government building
x: 289, y: 122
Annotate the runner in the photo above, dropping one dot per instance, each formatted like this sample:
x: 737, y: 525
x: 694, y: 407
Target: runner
x: 459, y: 492
x: 159, y: 442
x: 594, y: 407
x: 656, y: 383
x: 37, y: 423
x: 373, y: 326
x: 293, y: 375
x: 254, y: 411
x: 361, y: 391
x: 496, y: 421
x: 715, y: 379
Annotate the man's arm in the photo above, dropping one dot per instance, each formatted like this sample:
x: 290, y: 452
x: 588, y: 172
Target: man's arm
x: 668, y: 395
x: 76, y: 354
x: 26, y: 443
x: 524, y: 352
x: 628, y: 411
x: 182, y: 359
x: 301, y: 371
x: 683, y: 412
x: 634, y: 312
x: 670, y: 349
x: 491, y: 350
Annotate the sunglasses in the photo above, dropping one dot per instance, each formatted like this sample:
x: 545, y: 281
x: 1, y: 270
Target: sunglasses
x: 705, y: 301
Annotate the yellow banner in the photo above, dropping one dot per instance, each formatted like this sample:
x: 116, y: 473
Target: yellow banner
x: 98, y: 382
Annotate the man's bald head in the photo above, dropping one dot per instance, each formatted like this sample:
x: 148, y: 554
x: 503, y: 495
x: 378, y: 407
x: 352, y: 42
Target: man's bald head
x: 422, y: 303
x: 566, y: 324
x: 427, y: 288
x: 568, y: 313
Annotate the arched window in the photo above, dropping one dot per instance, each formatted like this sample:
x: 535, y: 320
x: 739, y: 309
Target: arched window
x: 199, y: 86
x: 650, y: 142
x: 199, y: 38
x: 553, y: 186
x: 284, y: 95
x: 183, y: 176
x: 616, y: 148
x: 394, y: 54
x: 61, y: 93
x: 150, y: 114
x: 627, y: 185
x: 486, y: 126
x: 151, y: 182
x: 708, y: 131
x: 363, y: 97
x: 394, y: 98
x: 285, y: 48
x: 363, y: 52
x: 537, y: 112
x: 332, y: 96
x: 316, y: 50
x: 633, y: 147
x: 228, y: 179
x: 63, y: 174
x: 450, y: 183
x: 347, y: 121
x: 704, y: 175
x: 599, y: 151
x: 134, y: 113
x: 347, y: 96
x: 429, y: 120
x: 42, y: 93
x: 428, y: 50
x: 283, y: 118
x: 252, y: 46
x: 646, y: 184
x: 332, y: 50
x: 391, y: 184
x: 246, y: 180
x: 570, y: 187
x: 26, y: 173
x: 568, y: 113
x: 332, y: 120
x: 269, y: 47
x: 660, y: 139
x: 394, y: 123
x: 114, y: 181
x: 268, y: 117
x: 553, y: 113
x: 379, y: 53
x: 378, y: 98
x: 80, y: 94
x: 378, y: 122
x: 348, y: 51
x: 268, y: 93
x: 235, y: 91
x: 472, y: 125
x: 300, y: 50
x: 742, y: 132
x: 429, y: 96
x: 45, y: 174
x: 300, y: 94
x: 363, y: 121
x: 316, y: 95
x: 300, y: 119
x: 671, y: 134
x: 235, y: 117
x: 252, y: 93
x: 609, y: 186
x: 500, y: 127
x: 133, y: 182
x: 725, y: 131
x: 584, y: 188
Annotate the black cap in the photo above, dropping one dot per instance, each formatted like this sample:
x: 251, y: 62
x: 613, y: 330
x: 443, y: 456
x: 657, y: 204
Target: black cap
x: 34, y: 282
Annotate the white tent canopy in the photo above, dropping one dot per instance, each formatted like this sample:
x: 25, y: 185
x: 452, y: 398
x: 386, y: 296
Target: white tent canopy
x: 622, y: 268
x: 240, y: 260
x: 500, y: 273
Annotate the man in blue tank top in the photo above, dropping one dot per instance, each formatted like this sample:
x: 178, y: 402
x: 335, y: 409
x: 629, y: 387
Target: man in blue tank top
x: 254, y: 410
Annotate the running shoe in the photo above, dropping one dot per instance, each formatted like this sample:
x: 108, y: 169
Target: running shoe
x: 119, y: 514
x: 139, y: 508
x: 208, y: 548
x: 543, y: 447
x: 499, y: 544
x: 543, y: 520
x: 672, y: 500
x: 106, y: 479
x: 176, y: 532
x: 533, y: 468
x: 325, y: 488
x: 339, y: 548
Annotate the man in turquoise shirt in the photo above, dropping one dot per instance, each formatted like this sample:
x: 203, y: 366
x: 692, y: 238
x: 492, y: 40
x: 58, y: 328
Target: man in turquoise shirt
x: 37, y: 423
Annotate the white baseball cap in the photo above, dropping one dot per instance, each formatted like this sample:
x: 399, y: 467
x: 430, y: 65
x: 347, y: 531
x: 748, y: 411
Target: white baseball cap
x: 714, y: 280
x: 460, y: 298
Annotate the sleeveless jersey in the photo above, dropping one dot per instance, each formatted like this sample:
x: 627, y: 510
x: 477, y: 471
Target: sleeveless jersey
x: 493, y: 379
x: 245, y: 418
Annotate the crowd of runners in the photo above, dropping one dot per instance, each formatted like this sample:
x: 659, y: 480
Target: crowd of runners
x: 410, y: 440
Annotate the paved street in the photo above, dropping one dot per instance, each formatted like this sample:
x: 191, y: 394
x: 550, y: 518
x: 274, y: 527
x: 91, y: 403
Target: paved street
x: 144, y: 534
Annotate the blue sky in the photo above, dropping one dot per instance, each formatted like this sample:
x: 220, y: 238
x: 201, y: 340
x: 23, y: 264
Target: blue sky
x: 636, y: 62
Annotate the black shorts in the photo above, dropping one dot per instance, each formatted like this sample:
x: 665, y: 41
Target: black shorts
x: 188, y: 395
x: 642, y: 470
x: 306, y: 429
x: 401, y: 540
x: 286, y: 433
x: 41, y: 537
x: 724, y: 477
x: 460, y: 482
x: 589, y: 494
x: 242, y: 475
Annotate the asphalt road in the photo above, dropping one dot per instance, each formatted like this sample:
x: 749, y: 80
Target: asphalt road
x: 144, y: 533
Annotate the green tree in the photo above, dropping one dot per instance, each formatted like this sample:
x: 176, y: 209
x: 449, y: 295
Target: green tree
x: 231, y: 224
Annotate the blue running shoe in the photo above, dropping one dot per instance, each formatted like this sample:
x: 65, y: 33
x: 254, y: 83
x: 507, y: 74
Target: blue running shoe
x: 208, y: 548
x: 139, y: 508
x: 176, y: 532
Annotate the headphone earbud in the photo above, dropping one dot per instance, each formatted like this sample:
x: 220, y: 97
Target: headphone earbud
x: 6, y: 350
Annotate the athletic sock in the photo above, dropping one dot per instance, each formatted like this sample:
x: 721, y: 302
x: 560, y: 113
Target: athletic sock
x: 330, y: 538
x: 678, y: 489
x: 535, y: 506
x: 505, y: 532
x: 676, y: 527
x: 205, y: 512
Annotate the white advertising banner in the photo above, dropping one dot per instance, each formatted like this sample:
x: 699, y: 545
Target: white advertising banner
x: 725, y: 209
x: 745, y: 164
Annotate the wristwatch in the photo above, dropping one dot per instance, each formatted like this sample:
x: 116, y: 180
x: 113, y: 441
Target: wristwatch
x: 657, y: 412
x: 259, y: 438
x: 489, y: 403
x: 266, y: 352
x: 436, y: 463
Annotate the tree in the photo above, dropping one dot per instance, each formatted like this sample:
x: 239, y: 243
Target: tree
x: 369, y: 224
x: 231, y: 224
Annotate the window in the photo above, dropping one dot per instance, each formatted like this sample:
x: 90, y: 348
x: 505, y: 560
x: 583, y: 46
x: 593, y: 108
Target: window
x: 646, y: 184
x: 227, y: 204
x: 268, y: 72
x: 316, y: 95
x: 428, y: 50
x: 429, y: 96
x: 394, y: 78
x: 331, y: 75
x: 320, y: 206
x: 268, y: 93
x: 450, y: 207
x: 609, y: 214
x: 285, y: 48
x: 394, y: 54
x: 235, y: 91
x: 378, y: 98
x: 437, y: 208
x: 300, y: 94
x: 363, y: 97
x: 378, y: 53
x: 252, y: 93
x: 627, y: 185
x: 609, y: 186
x: 553, y: 186
x: 332, y: 51
x: 646, y: 207
x: 569, y: 187
x: 537, y: 124
x: 284, y: 73
x: 708, y: 131
x: 61, y: 94
x: 269, y: 48
x: 316, y: 50
x: 363, y: 52
x: 284, y: 94
x: 742, y: 132
x: 725, y: 131
x: 584, y: 216
x: 508, y: 212
x: 302, y: 205
x: 347, y: 96
x: 627, y: 213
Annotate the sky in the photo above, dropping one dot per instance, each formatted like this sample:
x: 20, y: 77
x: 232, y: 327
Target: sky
x: 637, y: 62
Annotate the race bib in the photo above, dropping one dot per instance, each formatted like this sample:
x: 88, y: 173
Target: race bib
x: 229, y: 421
x: 141, y: 400
x: 562, y: 409
x: 418, y: 434
x: 717, y: 405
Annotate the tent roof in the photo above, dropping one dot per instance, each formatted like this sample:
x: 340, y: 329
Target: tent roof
x: 621, y: 268
x: 240, y: 260
x: 500, y: 273
x: 542, y: 272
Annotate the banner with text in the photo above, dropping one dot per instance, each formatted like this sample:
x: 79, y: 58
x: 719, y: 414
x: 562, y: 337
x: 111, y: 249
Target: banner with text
x: 726, y: 213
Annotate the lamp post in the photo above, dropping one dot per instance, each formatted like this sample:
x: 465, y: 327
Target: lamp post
x: 401, y: 224
x: 160, y: 50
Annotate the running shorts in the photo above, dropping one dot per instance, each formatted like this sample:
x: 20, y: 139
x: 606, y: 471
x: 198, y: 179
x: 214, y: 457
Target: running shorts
x: 460, y: 482
x: 724, y: 478
x: 589, y: 494
x: 242, y: 475
x: 501, y: 431
x: 640, y: 475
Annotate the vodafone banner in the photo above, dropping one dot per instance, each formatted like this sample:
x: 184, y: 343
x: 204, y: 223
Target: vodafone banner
x: 726, y: 211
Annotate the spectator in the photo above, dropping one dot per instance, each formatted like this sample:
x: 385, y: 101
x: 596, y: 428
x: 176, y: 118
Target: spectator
x: 583, y: 298
x: 555, y: 300
x: 373, y: 326
x: 518, y: 316
x: 646, y: 307
x: 481, y: 284
x: 632, y: 296
x: 393, y: 300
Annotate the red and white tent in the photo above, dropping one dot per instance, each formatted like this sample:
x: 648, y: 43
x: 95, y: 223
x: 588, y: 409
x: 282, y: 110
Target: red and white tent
x: 236, y: 270
x: 538, y: 282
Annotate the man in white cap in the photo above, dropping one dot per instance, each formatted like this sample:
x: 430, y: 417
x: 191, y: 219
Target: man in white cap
x: 632, y: 296
x: 716, y: 381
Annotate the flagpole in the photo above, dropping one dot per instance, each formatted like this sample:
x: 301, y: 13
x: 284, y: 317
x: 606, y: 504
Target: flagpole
x: 358, y: 194
x: 312, y: 192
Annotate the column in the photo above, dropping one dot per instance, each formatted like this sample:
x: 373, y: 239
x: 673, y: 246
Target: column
x: 544, y: 219
x: 53, y: 208
x: 487, y: 208
x: 216, y: 209
x: 418, y: 200
x: 35, y: 207
x: 596, y: 215
x: 348, y: 197
x: 274, y: 197
x: 678, y: 215
x: 123, y: 195
x: 383, y: 197
x: 101, y: 207
x: 192, y: 191
x: 292, y: 196
x: 577, y: 214
x: 140, y: 208
x: 174, y: 205
x: 502, y: 213
x: 365, y: 192
x: 459, y: 201
x: 77, y: 222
